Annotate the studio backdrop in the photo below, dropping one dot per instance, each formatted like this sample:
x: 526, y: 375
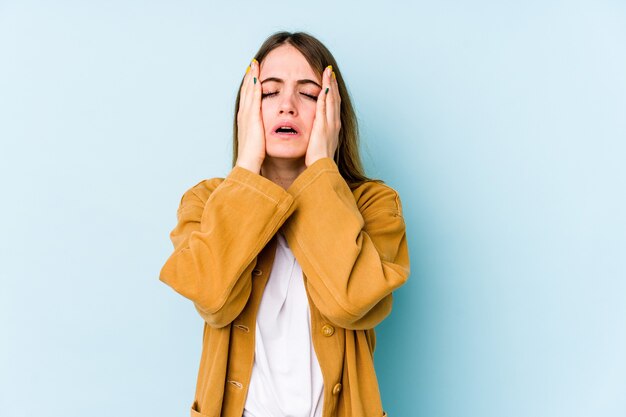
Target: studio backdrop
x: 502, y: 126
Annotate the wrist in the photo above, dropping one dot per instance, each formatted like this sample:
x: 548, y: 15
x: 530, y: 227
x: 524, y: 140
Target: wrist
x: 311, y: 159
x: 253, y: 166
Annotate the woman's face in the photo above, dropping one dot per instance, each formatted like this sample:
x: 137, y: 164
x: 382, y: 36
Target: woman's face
x: 290, y: 89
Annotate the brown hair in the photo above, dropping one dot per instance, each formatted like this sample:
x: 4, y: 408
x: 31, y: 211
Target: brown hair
x: 319, y: 57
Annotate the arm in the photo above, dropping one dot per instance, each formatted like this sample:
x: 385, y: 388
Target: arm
x: 353, y: 253
x: 221, y: 229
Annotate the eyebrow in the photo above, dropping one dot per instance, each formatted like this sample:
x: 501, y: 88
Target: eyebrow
x: 299, y: 82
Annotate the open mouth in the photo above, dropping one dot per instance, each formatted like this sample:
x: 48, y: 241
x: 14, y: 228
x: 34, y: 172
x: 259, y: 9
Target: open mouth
x: 286, y: 129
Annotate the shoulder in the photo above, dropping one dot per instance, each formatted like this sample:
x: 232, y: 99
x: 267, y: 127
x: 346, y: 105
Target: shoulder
x: 372, y: 197
x: 198, y: 194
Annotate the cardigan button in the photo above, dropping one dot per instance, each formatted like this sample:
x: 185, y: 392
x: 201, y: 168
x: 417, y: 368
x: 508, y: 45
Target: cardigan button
x: 328, y: 330
x: 257, y: 271
x: 337, y: 389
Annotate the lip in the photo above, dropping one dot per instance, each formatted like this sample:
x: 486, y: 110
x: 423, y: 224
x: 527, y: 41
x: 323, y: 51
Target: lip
x: 286, y: 135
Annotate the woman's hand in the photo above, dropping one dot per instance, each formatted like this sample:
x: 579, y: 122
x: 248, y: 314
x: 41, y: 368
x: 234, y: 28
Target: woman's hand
x: 250, y: 130
x: 325, y: 133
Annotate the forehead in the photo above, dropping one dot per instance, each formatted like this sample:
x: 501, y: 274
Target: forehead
x: 288, y: 63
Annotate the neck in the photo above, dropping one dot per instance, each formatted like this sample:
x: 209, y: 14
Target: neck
x: 282, y: 171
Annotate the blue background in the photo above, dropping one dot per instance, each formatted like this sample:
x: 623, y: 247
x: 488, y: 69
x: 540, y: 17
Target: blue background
x: 501, y: 124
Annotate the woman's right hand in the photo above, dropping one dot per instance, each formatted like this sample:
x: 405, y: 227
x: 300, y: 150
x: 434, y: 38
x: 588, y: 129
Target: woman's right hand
x: 250, y: 130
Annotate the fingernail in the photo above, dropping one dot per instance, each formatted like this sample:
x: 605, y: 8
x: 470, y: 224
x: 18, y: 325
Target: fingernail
x: 326, y: 90
x: 334, y: 76
x: 248, y: 69
x: 255, y: 80
x: 251, y: 64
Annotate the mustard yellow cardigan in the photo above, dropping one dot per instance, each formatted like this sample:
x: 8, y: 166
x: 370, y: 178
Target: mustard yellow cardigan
x: 351, y: 245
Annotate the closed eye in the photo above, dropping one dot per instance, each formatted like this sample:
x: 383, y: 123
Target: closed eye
x: 311, y: 96
x: 273, y: 93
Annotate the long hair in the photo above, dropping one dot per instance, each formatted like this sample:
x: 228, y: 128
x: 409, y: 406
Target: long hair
x: 319, y: 57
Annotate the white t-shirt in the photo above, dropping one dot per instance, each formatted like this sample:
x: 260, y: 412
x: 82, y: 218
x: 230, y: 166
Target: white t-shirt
x: 286, y: 377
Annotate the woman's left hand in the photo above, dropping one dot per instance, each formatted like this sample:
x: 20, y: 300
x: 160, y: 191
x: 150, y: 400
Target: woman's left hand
x: 325, y: 132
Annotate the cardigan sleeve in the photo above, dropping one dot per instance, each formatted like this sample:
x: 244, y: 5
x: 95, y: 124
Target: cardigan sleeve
x: 222, y: 226
x: 354, y: 254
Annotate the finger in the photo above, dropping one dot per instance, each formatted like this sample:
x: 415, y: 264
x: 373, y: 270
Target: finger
x: 331, y: 100
x: 247, y: 93
x: 256, y: 86
x: 323, y: 97
x: 246, y: 87
x: 336, y: 95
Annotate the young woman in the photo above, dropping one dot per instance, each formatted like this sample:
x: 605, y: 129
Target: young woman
x: 292, y: 258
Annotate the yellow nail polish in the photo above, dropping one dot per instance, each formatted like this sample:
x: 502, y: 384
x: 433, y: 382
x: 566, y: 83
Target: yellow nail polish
x: 248, y: 69
x: 330, y: 66
x: 334, y: 76
x: 254, y: 60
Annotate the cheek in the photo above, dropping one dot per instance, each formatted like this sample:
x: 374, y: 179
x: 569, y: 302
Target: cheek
x: 266, y: 112
x: 308, y: 114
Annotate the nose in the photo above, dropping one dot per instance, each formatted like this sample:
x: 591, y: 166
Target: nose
x: 288, y: 104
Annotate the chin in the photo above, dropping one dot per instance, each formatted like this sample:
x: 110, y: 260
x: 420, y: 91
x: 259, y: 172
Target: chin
x: 285, y: 155
x: 285, y: 152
